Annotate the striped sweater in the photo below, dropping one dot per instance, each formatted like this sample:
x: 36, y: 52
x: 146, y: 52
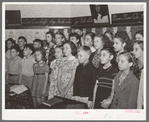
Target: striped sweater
x: 106, y: 76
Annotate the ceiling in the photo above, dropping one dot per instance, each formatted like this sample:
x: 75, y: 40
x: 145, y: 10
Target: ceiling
x: 67, y: 10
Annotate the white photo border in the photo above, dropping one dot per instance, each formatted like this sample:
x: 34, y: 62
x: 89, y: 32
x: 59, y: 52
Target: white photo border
x: 77, y: 114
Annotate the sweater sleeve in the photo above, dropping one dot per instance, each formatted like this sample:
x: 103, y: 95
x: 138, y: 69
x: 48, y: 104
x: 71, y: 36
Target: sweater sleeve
x: 132, y: 102
x: 92, y: 84
x: 76, y: 83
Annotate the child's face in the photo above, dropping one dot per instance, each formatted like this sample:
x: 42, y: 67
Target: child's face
x: 21, y: 42
x: 82, y: 56
x: 118, y: 45
x: 13, y: 53
x: 38, y: 55
x: 98, y: 43
x: 105, y: 57
x: 58, y: 39
x: 9, y: 44
x: 123, y: 63
x: 139, y: 37
x: 36, y: 45
x: 48, y: 38
x: 58, y: 53
x: 66, y: 49
x: 27, y: 52
x: 88, y: 41
x: 137, y: 51
x: 74, y: 40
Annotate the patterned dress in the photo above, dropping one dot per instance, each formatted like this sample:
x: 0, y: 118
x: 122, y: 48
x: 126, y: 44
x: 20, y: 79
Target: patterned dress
x: 67, y: 67
x: 96, y: 60
x: 39, y: 80
x: 53, y: 78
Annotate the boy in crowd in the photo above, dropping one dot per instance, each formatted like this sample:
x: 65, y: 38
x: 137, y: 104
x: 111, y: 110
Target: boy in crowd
x: 37, y: 43
x: 82, y: 35
x: 27, y: 66
x: 21, y: 43
x: 14, y: 66
x: 84, y: 78
x: 75, y: 38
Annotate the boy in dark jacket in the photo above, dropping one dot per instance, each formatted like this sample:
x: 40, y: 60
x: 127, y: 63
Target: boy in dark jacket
x: 84, y: 78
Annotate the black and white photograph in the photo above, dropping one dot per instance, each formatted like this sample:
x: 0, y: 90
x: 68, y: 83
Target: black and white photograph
x: 74, y: 61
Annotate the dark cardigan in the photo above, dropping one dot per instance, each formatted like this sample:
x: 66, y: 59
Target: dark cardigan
x: 84, y: 81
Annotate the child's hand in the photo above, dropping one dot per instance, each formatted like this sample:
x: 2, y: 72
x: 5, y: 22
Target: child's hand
x: 106, y: 103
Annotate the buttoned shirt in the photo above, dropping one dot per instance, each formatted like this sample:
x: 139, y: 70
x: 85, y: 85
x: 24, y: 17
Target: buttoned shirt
x: 27, y: 66
x: 14, y: 65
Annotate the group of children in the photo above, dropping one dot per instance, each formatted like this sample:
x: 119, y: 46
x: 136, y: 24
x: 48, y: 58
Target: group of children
x: 101, y: 70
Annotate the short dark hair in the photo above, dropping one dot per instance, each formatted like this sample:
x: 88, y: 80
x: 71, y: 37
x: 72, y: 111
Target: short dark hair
x: 73, y: 47
x: 16, y: 47
x: 11, y: 40
x: 76, y: 35
x: 91, y: 34
x: 85, y: 49
x: 39, y: 41
x: 122, y: 36
x: 111, y: 51
x: 22, y: 37
x: 30, y: 47
x: 51, y: 33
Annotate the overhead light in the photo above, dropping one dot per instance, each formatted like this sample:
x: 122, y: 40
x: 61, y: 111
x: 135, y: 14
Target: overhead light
x: 58, y: 27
